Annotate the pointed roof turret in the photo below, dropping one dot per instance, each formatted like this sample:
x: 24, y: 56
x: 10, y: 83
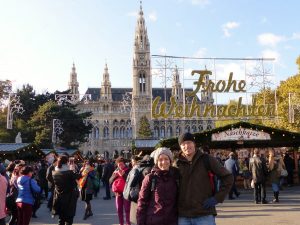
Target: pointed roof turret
x: 141, y: 41
x: 73, y: 83
x: 176, y: 85
x: 106, y: 85
x: 105, y: 74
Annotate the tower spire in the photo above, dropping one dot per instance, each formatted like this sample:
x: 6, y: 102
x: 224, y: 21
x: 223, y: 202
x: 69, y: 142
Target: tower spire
x: 142, y: 79
x: 73, y: 83
x: 106, y: 85
x: 176, y: 85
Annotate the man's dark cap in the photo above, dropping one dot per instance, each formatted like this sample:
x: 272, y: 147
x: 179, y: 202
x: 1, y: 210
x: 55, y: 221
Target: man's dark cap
x: 185, y: 137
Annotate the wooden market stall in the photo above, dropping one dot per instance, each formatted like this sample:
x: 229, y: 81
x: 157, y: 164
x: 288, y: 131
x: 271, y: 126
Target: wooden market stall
x: 24, y: 151
x: 242, y: 138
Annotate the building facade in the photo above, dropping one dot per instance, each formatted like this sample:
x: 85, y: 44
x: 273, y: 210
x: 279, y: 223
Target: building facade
x: 117, y: 111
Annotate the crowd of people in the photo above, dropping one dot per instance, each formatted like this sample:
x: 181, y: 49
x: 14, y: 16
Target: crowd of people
x: 158, y: 189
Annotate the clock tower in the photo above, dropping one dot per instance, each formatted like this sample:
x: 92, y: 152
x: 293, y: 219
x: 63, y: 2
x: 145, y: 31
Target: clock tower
x: 142, y: 79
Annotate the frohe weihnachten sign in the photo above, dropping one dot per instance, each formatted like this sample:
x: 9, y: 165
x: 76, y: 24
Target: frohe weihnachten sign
x: 178, y: 110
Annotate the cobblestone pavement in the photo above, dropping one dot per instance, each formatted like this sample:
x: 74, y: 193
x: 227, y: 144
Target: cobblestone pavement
x: 241, y: 211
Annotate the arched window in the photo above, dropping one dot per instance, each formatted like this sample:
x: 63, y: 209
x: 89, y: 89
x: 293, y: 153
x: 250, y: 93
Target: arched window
x: 162, y: 132
x: 169, y: 131
x: 116, y: 132
x: 115, y: 123
x: 178, y: 130
x: 142, y: 82
x: 200, y: 128
x: 122, y: 132
x: 194, y: 129
x: 156, y: 132
x: 208, y: 127
x: 97, y: 133
x: 106, y: 132
x: 187, y: 129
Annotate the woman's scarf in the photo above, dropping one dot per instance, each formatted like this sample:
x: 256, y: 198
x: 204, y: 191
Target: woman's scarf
x: 84, y: 175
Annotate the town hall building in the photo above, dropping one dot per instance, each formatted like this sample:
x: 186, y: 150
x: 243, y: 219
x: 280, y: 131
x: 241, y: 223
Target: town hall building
x: 116, y: 112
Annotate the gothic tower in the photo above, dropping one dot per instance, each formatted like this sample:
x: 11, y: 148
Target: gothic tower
x: 176, y: 86
x: 73, y: 83
x: 142, y: 79
x: 106, y: 86
x: 105, y: 93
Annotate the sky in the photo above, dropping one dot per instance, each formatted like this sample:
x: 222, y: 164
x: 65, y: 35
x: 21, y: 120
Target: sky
x: 40, y: 40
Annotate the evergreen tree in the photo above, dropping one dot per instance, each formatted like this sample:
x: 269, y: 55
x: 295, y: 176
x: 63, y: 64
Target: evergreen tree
x: 74, y: 129
x: 144, y: 128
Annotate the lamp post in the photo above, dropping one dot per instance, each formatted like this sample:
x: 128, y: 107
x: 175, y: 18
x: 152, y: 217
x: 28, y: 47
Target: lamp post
x: 14, y: 106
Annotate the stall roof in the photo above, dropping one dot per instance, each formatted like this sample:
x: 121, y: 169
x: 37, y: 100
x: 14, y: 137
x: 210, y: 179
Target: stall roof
x: 278, y: 138
x: 11, y: 147
x: 145, y: 143
x: 60, y: 151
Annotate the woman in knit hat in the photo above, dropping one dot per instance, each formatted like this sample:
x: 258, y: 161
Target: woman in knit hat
x: 158, y: 194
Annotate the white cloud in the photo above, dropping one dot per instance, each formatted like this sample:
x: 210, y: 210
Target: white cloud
x: 271, y: 54
x: 200, y: 53
x: 295, y: 36
x: 162, y: 51
x: 201, y: 2
x: 269, y: 39
x: 223, y: 71
x: 229, y: 26
x: 152, y: 16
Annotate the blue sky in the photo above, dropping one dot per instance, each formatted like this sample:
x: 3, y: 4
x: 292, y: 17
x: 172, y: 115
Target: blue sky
x: 40, y: 39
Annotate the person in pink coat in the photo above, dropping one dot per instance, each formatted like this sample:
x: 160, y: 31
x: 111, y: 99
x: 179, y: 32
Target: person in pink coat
x: 3, y: 189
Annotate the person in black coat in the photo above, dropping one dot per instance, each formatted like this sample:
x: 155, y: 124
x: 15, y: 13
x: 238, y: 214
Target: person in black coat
x: 108, y: 170
x: 290, y: 166
x: 65, y: 192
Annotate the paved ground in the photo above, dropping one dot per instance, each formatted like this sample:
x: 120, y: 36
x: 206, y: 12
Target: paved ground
x: 241, y: 211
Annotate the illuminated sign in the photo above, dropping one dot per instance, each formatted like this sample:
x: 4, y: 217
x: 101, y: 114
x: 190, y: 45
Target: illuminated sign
x: 240, y: 134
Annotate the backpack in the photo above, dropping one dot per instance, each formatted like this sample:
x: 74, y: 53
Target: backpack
x: 133, y: 184
x: 37, y: 196
x: 11, y: 198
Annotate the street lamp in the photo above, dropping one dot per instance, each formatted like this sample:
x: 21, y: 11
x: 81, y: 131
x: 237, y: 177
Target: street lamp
x: 14, y: 106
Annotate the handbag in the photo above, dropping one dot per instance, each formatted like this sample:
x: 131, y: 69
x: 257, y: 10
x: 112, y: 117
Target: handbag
x: 118, y: 185
x: 283, y: 173
x: 36, y: 195
x: 10, y: 202
x: 11, y: 198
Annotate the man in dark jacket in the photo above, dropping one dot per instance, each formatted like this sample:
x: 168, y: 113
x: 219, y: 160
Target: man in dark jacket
x: 197, y: 200
x: 258, y: 168
x: 232, y: 166
x: 108, y: 170
x: 290, y: 166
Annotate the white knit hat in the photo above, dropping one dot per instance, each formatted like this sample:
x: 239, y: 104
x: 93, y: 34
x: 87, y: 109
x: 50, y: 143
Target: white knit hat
x: 162, y: 150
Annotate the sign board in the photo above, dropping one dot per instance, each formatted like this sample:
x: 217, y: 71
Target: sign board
x: 240, y: 134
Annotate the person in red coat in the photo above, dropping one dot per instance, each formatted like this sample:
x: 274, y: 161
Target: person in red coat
x: 158, y: 194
